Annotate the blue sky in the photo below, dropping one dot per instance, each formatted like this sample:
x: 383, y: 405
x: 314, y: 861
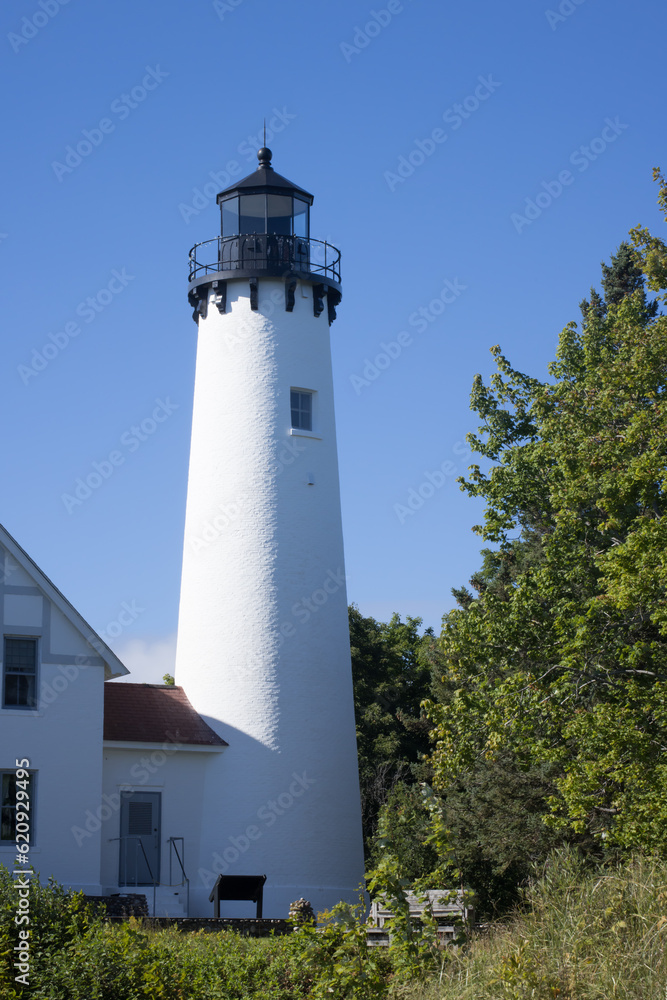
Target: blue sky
x: 474, y: 163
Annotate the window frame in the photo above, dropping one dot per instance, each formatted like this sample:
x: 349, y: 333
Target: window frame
x: 32, y: 778
x: 9, y: 673
x: 310, y: 394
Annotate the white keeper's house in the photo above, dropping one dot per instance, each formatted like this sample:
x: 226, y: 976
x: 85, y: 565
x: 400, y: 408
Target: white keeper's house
x: 248, y: 765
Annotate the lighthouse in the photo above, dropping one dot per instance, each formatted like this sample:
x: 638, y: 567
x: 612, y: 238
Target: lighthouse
x: 263, y: 648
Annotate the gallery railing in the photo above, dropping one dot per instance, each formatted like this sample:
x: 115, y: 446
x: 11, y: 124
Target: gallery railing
x: 265, y: 252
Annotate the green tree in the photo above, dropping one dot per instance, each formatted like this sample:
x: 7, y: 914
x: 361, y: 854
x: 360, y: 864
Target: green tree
x: 651, y: 250
x: 620, y: 278
x: 404, y: 830
x: 560, y: 661
x: 493, y: 814
x: 390, y: 682
x: 623, y: 277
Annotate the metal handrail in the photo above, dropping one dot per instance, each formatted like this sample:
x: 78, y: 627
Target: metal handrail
x: 136, y: 837
x: 185, y: 881
x: 273, y: 251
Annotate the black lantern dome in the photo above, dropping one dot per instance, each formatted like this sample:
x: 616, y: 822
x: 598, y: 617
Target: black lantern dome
x: 265, y: 202
x: 265, y: 232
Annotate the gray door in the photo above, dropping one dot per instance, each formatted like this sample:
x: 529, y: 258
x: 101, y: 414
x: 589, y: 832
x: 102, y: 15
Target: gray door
x: 139, y: 838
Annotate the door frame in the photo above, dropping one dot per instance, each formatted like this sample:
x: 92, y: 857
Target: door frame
x: 127, y: 858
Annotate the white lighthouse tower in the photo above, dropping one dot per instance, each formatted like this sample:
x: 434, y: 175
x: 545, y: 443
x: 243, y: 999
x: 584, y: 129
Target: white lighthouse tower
x: 263, y: 643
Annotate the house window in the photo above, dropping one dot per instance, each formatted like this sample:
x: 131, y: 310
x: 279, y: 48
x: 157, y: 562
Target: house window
x: 301, y: 404
x: 10, y: 805
x: 19, y: 673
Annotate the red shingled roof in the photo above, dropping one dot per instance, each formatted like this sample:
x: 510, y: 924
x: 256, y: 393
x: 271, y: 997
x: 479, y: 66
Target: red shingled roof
x: 153, y: 713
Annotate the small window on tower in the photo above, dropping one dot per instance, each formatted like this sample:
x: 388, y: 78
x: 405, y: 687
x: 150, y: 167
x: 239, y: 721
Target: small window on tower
x: 302, y: 409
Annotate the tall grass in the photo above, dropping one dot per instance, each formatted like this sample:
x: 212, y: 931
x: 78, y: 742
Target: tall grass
x: 585, y: 934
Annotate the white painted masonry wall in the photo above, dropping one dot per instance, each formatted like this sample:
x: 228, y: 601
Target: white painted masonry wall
x: 61, y: 738
x: 263, y: 643
x: 178, y: 773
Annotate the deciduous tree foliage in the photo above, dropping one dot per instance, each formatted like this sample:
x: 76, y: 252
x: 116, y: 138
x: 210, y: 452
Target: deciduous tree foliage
x: 561, y: 658
x: 390, y: 682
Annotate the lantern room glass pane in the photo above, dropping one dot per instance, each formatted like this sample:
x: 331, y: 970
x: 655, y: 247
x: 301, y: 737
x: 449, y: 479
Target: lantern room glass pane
x: 300, y: 218
x: 280, y: 214
x: 230, y: 217
x: 252, y: 214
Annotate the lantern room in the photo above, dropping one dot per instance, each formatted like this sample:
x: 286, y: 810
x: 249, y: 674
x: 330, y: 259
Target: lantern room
x: 265, y: 233
x: 265, y: 203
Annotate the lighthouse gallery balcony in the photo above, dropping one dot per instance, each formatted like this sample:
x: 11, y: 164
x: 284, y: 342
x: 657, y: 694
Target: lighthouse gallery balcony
x: 264, y: 233
x: 268, y: 254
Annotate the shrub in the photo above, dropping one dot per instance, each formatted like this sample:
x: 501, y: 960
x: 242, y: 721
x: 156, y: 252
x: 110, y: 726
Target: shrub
x: 341, y: 964
x: 56, y: 919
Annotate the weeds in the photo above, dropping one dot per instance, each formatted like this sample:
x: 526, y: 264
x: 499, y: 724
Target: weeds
x: 584, y: 933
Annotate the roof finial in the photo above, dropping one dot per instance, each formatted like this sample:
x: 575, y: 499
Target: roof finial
x: 265, y: 131
x: 264, y: 156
